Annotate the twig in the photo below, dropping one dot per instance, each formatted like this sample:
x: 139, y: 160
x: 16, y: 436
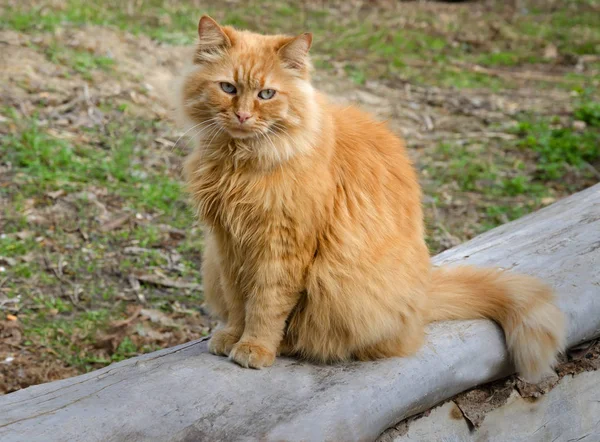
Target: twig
x: 62, y: 108
x: 114, y: 224
x: 592, y: 169
x: 55, y: 272
x: 166, y: 282
x: 527, y: 75
x: 459, y: 136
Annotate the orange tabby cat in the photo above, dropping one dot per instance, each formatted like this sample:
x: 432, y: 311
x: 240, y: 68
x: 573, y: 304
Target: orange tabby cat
x: 314, y: 229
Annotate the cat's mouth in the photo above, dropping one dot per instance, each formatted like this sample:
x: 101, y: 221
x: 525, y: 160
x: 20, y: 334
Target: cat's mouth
x: 244, y: 131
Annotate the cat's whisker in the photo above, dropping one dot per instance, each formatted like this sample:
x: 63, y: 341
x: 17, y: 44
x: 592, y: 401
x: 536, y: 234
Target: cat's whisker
x: 190, y: 129
x: 210, y: 128
x: 281, y: 129
x: 204, y: 129
x: 220, y: 130
x: 280, y: 137
x: 276, y: 151
x: 278, y: 125
x: 184, y: 134
x: 211, y: 131
x: 268, y: 138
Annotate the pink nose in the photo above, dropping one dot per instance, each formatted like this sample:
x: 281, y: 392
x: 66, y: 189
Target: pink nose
x: 243, y: 116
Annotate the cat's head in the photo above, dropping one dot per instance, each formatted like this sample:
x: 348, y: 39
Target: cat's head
x: 247, y: 85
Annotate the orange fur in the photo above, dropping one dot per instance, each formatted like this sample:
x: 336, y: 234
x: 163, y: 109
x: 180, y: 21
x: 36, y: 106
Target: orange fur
x: 314, y: 228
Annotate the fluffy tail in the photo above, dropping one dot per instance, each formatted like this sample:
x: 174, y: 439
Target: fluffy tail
x: 534, y: 327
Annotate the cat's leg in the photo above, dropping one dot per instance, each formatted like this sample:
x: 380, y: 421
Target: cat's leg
x: 211, y: 278
x: 274, y: 285
x: 223, y: 340
x: 222, y: 301
x: 266, y: 314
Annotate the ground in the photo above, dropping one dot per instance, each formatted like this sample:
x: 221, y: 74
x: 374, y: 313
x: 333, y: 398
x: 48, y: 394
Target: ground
x: 99, y: 251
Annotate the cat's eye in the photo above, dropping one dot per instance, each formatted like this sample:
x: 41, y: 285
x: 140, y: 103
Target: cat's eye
x: 228, y: 88
x: 266, y: 94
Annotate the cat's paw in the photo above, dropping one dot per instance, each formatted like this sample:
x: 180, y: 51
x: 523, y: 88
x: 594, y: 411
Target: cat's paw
x: 251, y: 355
x: 222, y: 341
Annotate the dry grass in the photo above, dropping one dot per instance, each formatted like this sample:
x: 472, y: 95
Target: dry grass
x: 99, y: 252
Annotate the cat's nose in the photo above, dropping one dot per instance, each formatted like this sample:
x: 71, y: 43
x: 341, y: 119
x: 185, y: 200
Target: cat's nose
x: 243, y: 116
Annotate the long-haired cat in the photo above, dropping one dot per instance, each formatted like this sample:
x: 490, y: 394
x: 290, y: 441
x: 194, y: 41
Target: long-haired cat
x: 314, y: 229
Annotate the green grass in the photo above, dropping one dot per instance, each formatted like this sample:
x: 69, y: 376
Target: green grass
x: 505, y: 58
x: 558, y: 145
x: 45, y: 163
x: 551, y: 155
x: 154, y: 18
x: 11, y: 246
x: 57, y: 332
x: 468, y: 80
x: 573, y: 29
x: 82, y: 62
x: 589, y: 113
x: 373, y: 48
x: 499, y: 181
x: 114, y: 158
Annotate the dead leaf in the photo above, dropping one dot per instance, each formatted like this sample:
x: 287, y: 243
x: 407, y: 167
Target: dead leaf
x: 153, y: 335
x: 165, y: 142
x: 550, y: 52
x: 134, y: 283
x: 56, y: 194
x: 136, y: 312
x: 25, y: 234
x: 28, y: 257
x: 10, y: 333
x: 134, y: 250
x: 114, y: 224
x: 4, y: 260
x: 172, y: 231
x: 158, y: 317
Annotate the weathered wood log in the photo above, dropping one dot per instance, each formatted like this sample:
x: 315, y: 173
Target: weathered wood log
x: 186, y: 394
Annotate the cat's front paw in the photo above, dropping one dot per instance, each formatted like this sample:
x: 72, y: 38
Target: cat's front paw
x: 252, y: 355
x: 222, y: 341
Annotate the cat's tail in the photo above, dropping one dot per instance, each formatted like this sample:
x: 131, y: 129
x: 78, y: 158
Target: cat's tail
x: 534, y: 327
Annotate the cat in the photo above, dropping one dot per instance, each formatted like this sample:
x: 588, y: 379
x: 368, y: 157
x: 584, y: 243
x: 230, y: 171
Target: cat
x: 314, y: 234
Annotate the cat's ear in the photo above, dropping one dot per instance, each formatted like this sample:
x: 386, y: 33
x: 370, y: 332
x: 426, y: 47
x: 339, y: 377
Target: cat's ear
x: 212, y: 40
x: 294, y: 53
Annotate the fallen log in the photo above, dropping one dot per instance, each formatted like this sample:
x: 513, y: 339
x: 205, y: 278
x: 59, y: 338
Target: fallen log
x: 186, y: 394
